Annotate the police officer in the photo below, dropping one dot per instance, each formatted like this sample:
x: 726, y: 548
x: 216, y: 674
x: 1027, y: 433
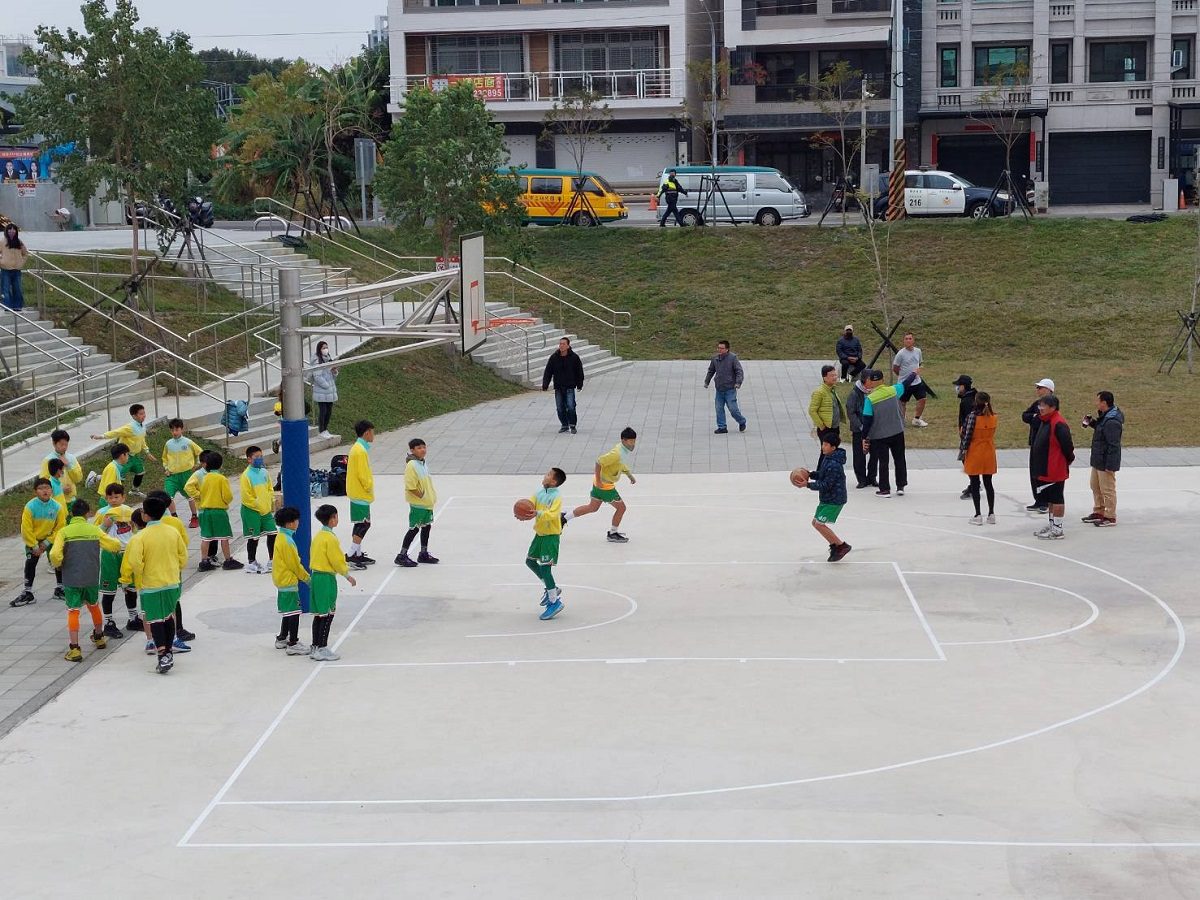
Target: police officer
x: 670, y: 189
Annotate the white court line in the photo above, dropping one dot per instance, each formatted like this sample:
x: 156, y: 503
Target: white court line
x: 848, y: 842
x: 640, y: 659
x: 920, y: 615
x: 287, y: 707
x: 1037, y: 637
x: 579, y: 587
x: 700, y: 562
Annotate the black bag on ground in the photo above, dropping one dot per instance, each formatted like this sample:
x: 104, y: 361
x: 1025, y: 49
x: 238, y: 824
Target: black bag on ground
x: 340, y: 461
x: 337, y: 483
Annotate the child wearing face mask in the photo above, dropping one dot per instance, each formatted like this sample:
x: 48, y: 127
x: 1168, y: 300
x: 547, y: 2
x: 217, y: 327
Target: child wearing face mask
x: 258, y: 510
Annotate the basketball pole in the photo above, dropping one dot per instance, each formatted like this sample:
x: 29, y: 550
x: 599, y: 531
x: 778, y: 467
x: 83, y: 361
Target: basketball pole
x: 293, y: 438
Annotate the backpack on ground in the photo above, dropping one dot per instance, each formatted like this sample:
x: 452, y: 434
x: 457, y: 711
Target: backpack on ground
x: 236, y: 417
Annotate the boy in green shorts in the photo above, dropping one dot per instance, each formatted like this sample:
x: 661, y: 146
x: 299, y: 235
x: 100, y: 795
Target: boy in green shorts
x: 41, y: 519
x: 180, y: 456
x: 360, y: 488
x: 258, y: 506
x: 547, y: 533
x: 153, y: 563
x: 609, y: 468
x: 830, y: 481
x: 287, y: 574
x: 76, y: 551
x: 116, y: 520
x: 328, y: 562
x: 215, y: 496
x: 133, y: 436
x: 58, y: 482
x: 114, y: 472
x: 422, y: 498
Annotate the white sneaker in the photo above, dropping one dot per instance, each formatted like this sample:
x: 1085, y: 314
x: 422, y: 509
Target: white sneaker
x: 1044, y: 531
x: 252, y: 569
x: 93, y: 479
x: 991, y: 519
x: 280, y: 645
x: 1051, y: 534
x: 325, y: 434
x: 298, y: 649
x: 975, y: 520
x: 899, y: 492
x: 265, y: 568
x: 920, y: 423
x: 328, y: 655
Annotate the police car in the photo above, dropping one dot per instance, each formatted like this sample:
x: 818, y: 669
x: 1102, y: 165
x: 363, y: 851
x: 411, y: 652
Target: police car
x: 932, y: 192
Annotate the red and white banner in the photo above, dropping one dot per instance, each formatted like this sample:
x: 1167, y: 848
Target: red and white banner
x: 487, y: 87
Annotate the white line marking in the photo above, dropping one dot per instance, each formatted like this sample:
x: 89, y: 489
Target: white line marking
x: 699, y: 562
x: 601, y: 659
x: 920, y: 615
x: 218, y: 798
x: 869, y: 842
x: 579, y: 587
x: 1037, y: 637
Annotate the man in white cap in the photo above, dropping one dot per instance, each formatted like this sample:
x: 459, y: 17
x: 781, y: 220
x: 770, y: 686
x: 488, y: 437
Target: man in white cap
x: 849, y: 354
x: 1031, y: 418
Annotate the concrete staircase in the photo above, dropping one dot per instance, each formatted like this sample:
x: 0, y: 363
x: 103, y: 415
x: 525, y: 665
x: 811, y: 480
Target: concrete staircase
x: 505, y: 350
x: 238, y: 269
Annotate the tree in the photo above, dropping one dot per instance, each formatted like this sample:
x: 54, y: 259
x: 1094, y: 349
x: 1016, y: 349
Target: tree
x: 840, y: 94
x: 708, y: 116
x: 580, y: 119
x: 129, y: 100
x: 444, y: 166
x: 237, y: 66
x: 1006, y: 94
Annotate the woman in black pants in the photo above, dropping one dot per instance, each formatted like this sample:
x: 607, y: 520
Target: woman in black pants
x: 324, y: 384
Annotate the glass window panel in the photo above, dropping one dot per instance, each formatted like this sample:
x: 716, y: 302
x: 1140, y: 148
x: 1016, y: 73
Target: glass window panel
x: 949, y: 68
x: 1117, y: 61
x: 1060, y: 63
x: 544, y: 185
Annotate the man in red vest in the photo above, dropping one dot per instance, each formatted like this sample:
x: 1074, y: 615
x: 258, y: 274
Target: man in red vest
x: 1050, y: 459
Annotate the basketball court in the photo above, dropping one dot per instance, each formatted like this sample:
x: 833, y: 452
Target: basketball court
x: 951, y: 711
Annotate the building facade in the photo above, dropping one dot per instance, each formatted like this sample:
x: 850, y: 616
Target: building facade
x: 15, y: 77
x: 524, y: 55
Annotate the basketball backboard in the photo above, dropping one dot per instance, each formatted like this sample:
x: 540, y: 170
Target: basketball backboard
x: 473, y: 292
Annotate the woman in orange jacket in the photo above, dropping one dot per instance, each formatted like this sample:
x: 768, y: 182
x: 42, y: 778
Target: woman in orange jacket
x: 977, y: 451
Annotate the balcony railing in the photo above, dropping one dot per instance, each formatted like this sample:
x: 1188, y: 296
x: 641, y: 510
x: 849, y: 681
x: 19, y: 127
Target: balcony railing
x: 545, y: 87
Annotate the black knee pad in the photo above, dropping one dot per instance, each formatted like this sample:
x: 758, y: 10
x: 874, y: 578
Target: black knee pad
x: 361, y: 529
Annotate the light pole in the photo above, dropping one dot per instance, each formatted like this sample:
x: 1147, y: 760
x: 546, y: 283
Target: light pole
x: 712, y: 60
x: 862, y: 140
x: 897, y: 105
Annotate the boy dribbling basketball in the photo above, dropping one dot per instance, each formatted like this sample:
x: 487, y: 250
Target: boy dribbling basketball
x: 547, y: 534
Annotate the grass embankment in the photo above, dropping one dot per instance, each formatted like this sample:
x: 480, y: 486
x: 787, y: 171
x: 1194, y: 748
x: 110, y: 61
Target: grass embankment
x: 1089, y: 303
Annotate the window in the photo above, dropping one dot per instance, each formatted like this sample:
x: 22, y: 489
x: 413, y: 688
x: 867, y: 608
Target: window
x: 734, y: 184
x: 472, y: 55
x: 1181, y: 58
x: 769, y: 181
x: 1000, y: 63
x: 524, y: 182
x: 1117, y: 61
x: 544, y: 185
x: 787, y: 7
x: 1060, y: 63
x: 473, y: 2
x: 599, y: 51
x: 938, y: 182
x: 861, y: 6
x: 784, y: 71
x: 949, y: 67
x: 591, y: 187
x: 914, y: 181
x: 872, y: 63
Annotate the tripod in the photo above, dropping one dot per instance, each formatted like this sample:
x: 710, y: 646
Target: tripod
x: 710, y: 187
x: 1005, y: 183
x: 580, y: 210
x: 1187, y: 331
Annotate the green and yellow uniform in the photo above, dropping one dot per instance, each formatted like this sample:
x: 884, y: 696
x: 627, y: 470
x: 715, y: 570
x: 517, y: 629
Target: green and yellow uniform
x: 179, y: 458
x: 114, y: 473
x: 81, y: 572
x: 360, y: 483
x: 613, y: 465
x: 328, y: 562
x: 40, y: 521
x: 287, y: 572
x: 72, y: 475
x: 133, y: 436
x: 153, y: 563
x: 419, y: 492
x: 258, y: 503
x: 213, y: 498
x: 117, y: 523
x: 547, y: 527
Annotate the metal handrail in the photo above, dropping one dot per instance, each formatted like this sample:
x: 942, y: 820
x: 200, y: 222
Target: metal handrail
x: 524, y: 331
x: 15, y: 331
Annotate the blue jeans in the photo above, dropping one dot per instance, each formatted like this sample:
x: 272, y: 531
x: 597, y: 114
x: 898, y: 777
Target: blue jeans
x: 728, y: 398
x: 10, y: 289
x: 564, y: 403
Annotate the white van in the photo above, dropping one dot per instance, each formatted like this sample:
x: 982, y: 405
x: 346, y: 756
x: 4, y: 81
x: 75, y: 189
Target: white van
x: 747, y: 194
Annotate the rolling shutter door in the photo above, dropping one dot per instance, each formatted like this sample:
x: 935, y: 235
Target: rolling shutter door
x: 979, y: 158
x: 628, y: 158
x: 1100, y: 167
x: 522, y: 149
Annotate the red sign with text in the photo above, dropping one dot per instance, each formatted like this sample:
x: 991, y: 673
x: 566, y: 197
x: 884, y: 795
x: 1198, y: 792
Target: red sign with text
x: 487, y: 87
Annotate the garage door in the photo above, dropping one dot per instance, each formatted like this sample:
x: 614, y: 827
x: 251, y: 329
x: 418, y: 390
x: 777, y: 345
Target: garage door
x: 628, y: 158
x: 979, y: 158
x: 522, y: 149
x: 1100, y: 167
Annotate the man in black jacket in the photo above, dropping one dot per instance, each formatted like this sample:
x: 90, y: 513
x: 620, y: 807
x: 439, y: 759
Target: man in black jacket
x: 864, y: 469
x: 1030, y: 417
x: 849, y: 354
x: 565, y: 369
x: 669, y: 190
x: 1107, y: 427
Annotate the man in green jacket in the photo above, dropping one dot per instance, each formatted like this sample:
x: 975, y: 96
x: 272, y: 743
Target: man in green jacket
x: 825, y: 409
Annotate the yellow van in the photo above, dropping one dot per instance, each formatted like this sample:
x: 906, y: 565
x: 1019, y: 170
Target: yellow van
x: 547, y: 193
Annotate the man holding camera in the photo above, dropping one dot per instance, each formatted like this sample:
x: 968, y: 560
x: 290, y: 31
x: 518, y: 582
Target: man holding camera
x: 1107, y: 426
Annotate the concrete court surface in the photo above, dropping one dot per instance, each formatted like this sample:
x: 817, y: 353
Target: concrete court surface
x: 953, y: 711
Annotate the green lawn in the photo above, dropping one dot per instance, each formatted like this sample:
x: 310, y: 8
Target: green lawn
x: 1090, y: 303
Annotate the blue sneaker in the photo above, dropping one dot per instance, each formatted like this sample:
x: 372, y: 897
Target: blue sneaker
x: 150, y: 648
x: 552, y: 610
x: 180, y: 647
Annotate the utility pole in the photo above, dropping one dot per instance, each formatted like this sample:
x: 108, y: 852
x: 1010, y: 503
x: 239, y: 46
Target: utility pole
x: 712, y: 61
x: 862, y: 140
x: 897, y: 119
x: 293, y: 438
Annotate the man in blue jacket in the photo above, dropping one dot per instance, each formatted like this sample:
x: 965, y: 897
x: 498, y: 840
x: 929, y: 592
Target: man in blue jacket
x: 849, y: 354
x: 1107, y: 427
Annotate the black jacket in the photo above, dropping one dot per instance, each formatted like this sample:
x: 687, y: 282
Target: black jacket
x: 849, y: 347
x: 1030, y: 418
x: 854, y: 407
x: 965, y: 404
x: 565, y: 371
x: 1106, y: 441
x: 672, y: 188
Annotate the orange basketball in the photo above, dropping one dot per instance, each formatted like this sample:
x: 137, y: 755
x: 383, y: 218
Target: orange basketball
x: 799, y: 477
x: 524, y: 510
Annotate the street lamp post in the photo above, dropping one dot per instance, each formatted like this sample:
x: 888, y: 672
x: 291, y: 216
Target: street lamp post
x: 712, y: 60
x: 862, y: 140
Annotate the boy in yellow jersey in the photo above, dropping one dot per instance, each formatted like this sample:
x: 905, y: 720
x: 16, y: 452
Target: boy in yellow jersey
x: 41, y: 519
x: 258, y: 506
x: 182, y: 635
x: 133, y: 436
x: 114, y: 472
x: 58, y: 487
x: 215, y: 496
x: 76, y: 552
x: 73, y: 471
x: 287, y: 574
x: 422, y: 498
x: 180, y: 456
x: 153, y: 563
x: 327, y: 563
x: 609, y: 468
x: 115, y: 519
x: 360, y: 488
x: 192, y: 490
x: 547, y: 531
